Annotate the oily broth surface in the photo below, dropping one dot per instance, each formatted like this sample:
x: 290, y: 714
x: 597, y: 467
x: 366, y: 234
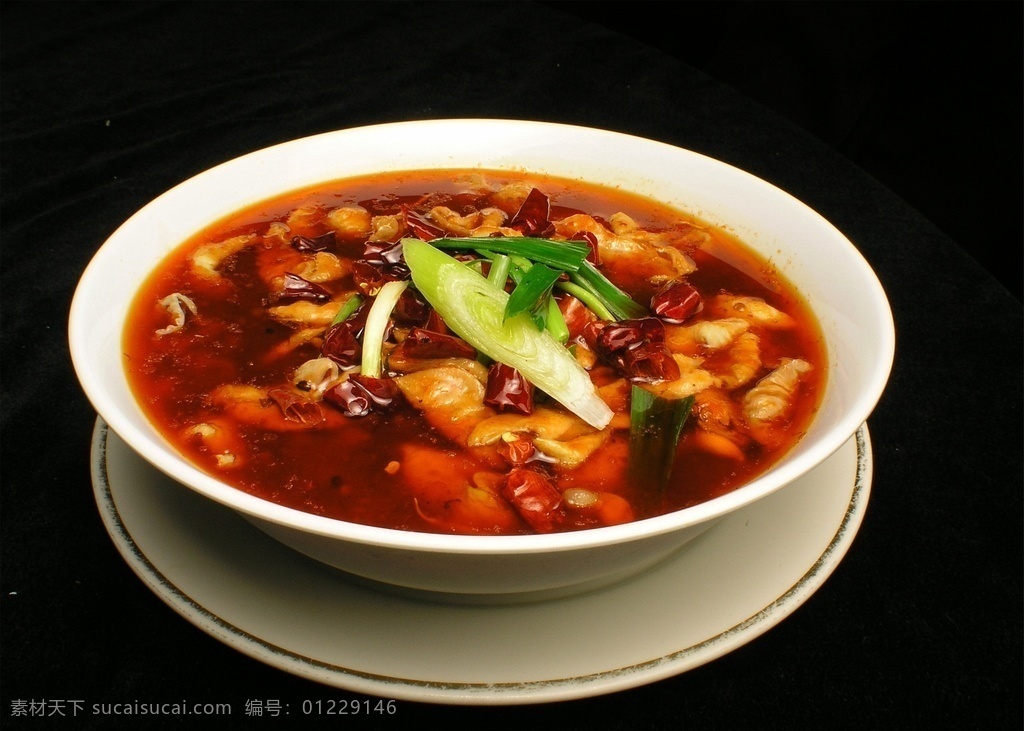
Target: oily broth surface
x: 345, y: 471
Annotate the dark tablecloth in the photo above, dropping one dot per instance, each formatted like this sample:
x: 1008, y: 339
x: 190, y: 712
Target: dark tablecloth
x: 107, y: 105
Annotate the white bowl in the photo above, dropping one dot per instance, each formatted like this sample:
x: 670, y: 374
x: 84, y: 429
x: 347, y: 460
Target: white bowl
x: 843, y: 291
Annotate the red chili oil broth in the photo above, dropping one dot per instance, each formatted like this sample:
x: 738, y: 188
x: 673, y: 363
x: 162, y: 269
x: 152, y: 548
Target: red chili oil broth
x: 347, y: 471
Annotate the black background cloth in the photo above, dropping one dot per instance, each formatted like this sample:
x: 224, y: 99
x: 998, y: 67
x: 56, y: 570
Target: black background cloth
x: 107, y: 105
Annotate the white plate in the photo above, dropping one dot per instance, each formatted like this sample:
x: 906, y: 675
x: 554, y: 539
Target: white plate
x: 730, y: 585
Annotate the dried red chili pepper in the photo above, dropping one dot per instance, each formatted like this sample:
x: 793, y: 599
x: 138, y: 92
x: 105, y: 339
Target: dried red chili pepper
x: 518, y: 450
x: 341, y: 343
x: 507, y: 390
x: 384, y: 392
x: 359, y: 395
x: 422, y: 343
x: 435, y: 323
x: 576, y: 315
x: 636, y: 347
x: 594, y: 257
x: 591, y: 333
x: 383, y: 254
x: 349, y: 398
x: 295, y: 289
x: 649, y: 363
x: 676, y: 302
x: 411, y: 308
x: 296, y: 408
x: 533, y: 216
x: 421, y: 227
x: 314, y: 243
x: 370, y: 278
x: 535, y: 499
x: 615, y: 337
x: 382, y: 262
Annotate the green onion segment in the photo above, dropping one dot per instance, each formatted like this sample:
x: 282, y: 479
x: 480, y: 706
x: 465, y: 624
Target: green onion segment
x: 556, y: 322
x: 377, y: 325
x: 621, y: 305
x: 588, y: 298
x: 564, y: 255
x: 655, y: 426
x: 474, y: 309
x: 347, y: 309
x: 586, y: 282
x: 532, y: 290
x: 500, y: 266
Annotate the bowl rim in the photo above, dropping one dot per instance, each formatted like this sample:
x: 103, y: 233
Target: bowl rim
x: 165, y: 458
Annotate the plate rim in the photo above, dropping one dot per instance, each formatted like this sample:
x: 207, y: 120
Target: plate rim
x: 578, y: 686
